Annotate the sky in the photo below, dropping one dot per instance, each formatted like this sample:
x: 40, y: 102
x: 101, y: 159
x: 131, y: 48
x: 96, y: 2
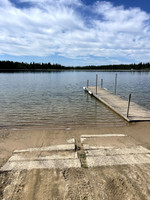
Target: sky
x: 75, y: 32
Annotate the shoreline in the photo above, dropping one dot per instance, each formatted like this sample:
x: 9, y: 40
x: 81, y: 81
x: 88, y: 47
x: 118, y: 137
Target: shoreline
x: 27, y: 137
x: 69, y: 70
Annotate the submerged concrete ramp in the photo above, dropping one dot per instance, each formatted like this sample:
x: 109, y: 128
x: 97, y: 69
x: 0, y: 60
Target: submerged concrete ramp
x: 58, y: 156
x: 113, y: 149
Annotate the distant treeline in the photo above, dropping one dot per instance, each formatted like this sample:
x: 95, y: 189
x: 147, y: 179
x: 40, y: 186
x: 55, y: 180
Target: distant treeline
x: 21, y: 66
x: 17, y: 66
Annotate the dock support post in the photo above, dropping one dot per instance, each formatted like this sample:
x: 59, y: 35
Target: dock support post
x: 96, y: 82
x: 101, y: 83
x: 87, y: 83
x: 116, y: 84
x: 128, y: 105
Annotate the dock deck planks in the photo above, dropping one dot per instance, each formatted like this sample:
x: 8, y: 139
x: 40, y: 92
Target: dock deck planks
x: 119, y: 105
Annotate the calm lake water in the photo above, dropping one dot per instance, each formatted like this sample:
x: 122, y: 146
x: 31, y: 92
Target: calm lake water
x: 57, y: 99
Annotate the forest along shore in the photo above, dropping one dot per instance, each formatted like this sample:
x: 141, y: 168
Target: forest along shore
x: 90, y: 170
x: 6, y: 66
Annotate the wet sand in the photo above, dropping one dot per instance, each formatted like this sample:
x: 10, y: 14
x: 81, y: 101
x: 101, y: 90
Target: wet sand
x: 105, y: 182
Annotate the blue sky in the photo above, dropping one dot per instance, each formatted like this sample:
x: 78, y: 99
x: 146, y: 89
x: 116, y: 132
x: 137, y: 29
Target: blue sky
x: 75, y: 32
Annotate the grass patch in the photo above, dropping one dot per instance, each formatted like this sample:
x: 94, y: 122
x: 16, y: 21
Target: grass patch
x: 82, y: 157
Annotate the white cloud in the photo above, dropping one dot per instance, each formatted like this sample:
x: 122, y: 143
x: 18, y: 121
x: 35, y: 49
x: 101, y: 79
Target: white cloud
x: 46, y: 27
x: 5, y: 3
x: 57, y: 3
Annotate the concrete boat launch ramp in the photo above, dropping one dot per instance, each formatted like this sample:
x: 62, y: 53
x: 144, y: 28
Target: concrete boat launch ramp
x: 119, y: 105
x: 112, y: 150
x: 98, y: 150
x: 58, y: 156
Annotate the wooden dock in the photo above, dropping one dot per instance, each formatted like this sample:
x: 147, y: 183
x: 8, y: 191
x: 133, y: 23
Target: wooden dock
x: 119, y: 105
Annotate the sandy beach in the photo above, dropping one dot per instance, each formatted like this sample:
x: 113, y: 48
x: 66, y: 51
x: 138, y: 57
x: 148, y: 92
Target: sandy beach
x: 101, y: 182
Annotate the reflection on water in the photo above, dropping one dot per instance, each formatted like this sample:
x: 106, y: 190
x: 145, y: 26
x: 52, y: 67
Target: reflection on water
x: 58, y: 100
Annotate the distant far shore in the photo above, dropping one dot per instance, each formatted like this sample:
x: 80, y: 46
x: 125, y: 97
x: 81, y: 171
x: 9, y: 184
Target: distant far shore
x: 10, y: 66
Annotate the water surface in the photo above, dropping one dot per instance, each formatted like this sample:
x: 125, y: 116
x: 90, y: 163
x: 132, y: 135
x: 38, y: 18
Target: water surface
x: 57, y: 99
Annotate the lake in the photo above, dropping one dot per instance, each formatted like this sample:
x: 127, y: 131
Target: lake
x: 57, y: 99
